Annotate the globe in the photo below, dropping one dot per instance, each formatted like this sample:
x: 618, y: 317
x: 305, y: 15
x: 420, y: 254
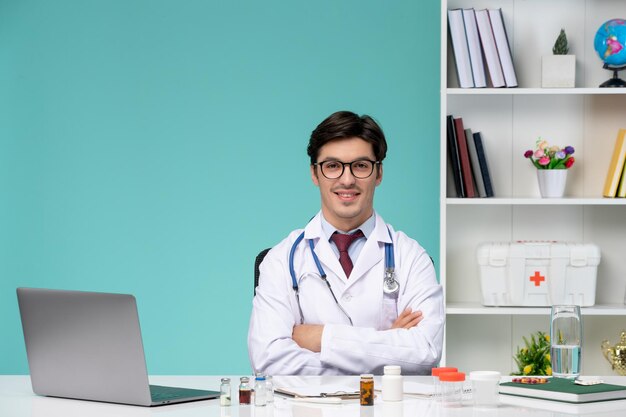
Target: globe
x: 610, y: 42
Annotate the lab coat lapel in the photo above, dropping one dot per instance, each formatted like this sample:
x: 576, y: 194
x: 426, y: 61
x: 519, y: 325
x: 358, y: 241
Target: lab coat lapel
x: 372, y: 252
x: 328, y: 258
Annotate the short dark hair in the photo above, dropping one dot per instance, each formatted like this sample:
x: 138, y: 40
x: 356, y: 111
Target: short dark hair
x: 345, y: 124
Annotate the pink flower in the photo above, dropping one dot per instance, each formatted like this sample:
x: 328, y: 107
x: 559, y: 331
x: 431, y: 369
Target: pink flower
x: 546, y: 156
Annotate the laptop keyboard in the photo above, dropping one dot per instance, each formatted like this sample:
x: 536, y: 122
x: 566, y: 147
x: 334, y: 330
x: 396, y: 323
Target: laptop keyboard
x: 161, y: 393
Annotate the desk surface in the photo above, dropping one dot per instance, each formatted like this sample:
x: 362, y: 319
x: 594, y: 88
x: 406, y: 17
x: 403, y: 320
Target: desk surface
x: 18, y: 400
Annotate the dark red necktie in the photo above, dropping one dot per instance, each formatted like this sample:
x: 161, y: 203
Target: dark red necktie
x: 343, y: 242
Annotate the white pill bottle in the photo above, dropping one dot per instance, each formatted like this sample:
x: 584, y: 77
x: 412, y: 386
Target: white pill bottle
x: 393, y: 386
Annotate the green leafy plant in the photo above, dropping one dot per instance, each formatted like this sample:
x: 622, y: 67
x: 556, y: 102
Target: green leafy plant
x: 534, y: 357
x: 560, y: 46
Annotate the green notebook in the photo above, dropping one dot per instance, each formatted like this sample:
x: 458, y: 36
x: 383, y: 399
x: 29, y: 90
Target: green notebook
x: 560, y: 389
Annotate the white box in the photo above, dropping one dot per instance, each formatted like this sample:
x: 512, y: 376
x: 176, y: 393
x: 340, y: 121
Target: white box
x: 528, y: 273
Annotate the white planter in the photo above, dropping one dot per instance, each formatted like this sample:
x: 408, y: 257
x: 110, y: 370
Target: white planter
x: 558, y: 71
x: 552, y: 182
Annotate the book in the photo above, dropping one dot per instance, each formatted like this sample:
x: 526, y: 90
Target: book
x: 455, y: 162
x: 484, y: 166
x: 616, y: 166
x: 489, y: 48
x: 460, y: 48
x: 621, y: 190
x: 466, y: 168
x: 502, y: 45
x: 477, y: 174
x: 475, y: 51
x: 565, y: 390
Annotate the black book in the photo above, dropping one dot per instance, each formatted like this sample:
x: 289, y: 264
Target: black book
x: 453, y: 153
x: 484, y: 168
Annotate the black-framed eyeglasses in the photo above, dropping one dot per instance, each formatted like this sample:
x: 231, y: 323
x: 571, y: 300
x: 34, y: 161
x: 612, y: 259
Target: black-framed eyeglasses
x: 360, y: 169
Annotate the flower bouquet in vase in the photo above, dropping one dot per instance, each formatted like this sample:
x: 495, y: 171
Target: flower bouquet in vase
x: 552, y: 163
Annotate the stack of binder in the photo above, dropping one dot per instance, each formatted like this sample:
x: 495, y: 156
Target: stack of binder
x: 468, y: 160
x: 479, y: 37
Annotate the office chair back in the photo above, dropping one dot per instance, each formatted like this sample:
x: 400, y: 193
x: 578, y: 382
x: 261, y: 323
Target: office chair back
x: 257, y: 263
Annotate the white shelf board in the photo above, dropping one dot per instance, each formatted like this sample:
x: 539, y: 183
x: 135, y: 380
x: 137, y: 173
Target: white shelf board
x: 479, y: 309
x: 534, y: 91
x: 536, y: 201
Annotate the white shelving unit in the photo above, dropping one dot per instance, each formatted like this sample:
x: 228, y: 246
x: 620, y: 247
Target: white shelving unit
x: 511, y: 119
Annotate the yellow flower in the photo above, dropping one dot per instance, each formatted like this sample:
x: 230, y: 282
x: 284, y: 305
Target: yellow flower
x: 542, y: 144
x: 528, y: 369
x: 524, y: 350
x: 548, y: 357
x: 547, y: 337
x: 548, y: 371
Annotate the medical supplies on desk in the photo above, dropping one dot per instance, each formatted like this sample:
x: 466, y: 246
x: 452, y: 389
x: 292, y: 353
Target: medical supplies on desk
x: 538, y: 273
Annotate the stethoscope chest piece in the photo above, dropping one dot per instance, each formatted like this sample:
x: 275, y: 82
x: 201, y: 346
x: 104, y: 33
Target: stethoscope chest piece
x: 390, y: 284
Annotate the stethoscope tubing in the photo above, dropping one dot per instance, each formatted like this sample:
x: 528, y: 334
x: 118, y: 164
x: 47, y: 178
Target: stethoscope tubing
x: 389, y: 272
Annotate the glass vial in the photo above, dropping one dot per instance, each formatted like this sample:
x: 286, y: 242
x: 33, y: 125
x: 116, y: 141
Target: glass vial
x: 269, y: 386
x: 393, y: 387
x: 367, y: 389
x: 225, y: 392
x: 260, y: 391
x: 245, y: 392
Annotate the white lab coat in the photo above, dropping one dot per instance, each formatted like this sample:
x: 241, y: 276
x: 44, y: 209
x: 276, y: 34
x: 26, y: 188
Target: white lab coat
x: 370, y: 344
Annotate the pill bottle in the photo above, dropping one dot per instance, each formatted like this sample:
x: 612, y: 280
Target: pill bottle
x: 225, y: 392
x: 485, y: 387
x: 260, y: 396
x: 367, y: 389
x: 451, y: 384
x: 393, y: 387
x: 245, y: 392
x: 435, y: 372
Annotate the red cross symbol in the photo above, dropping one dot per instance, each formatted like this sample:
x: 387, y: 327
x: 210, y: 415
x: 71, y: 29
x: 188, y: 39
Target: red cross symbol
x: 537, y: 278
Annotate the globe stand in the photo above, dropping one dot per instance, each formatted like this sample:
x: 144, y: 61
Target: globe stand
x: 614, y: 82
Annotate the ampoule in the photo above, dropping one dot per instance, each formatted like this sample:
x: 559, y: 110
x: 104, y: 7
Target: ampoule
x: 225, y: 392
x: 269, y: 387
x: 260, y: 396
x: 245, y: 392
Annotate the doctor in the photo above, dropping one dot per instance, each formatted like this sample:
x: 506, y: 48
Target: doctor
x: 324, y: 309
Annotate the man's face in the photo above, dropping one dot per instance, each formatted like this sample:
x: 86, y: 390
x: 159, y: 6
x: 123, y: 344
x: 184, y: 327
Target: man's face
x: 347, y: 201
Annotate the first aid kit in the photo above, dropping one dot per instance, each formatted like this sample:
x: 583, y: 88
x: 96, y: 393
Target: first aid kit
x: 538, y: 273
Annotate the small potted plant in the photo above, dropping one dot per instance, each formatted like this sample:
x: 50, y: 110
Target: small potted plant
x: 534, y: 357
x: 559, y: 69
x: 552, y: 163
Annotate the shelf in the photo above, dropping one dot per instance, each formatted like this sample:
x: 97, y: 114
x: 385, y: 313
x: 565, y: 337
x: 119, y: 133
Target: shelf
x: 535, y: 91
x: 478, y: 309
x: 510, y: 119
x: 535, y: 201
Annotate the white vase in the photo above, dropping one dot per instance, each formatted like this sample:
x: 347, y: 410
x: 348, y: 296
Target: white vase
x: 552, y: 182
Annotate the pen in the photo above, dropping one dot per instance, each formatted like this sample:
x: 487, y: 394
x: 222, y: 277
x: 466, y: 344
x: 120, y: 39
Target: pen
x: 318, y: 400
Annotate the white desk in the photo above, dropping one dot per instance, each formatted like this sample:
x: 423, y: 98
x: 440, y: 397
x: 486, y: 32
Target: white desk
x: 18, y: 400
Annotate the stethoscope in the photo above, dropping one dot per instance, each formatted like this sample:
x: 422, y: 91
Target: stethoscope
x: 391, y: 286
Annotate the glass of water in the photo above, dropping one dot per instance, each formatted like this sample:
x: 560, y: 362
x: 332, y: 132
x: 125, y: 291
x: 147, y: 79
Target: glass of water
x: 566, y: 335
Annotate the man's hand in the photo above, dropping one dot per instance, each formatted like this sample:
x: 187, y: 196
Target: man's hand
x: 407, y: 319
x: 308, y: 336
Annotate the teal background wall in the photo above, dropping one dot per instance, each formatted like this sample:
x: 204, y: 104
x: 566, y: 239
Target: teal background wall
x: 153, y: 147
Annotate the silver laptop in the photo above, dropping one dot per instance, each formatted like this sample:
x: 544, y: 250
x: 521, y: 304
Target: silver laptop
x: 87, y: 345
